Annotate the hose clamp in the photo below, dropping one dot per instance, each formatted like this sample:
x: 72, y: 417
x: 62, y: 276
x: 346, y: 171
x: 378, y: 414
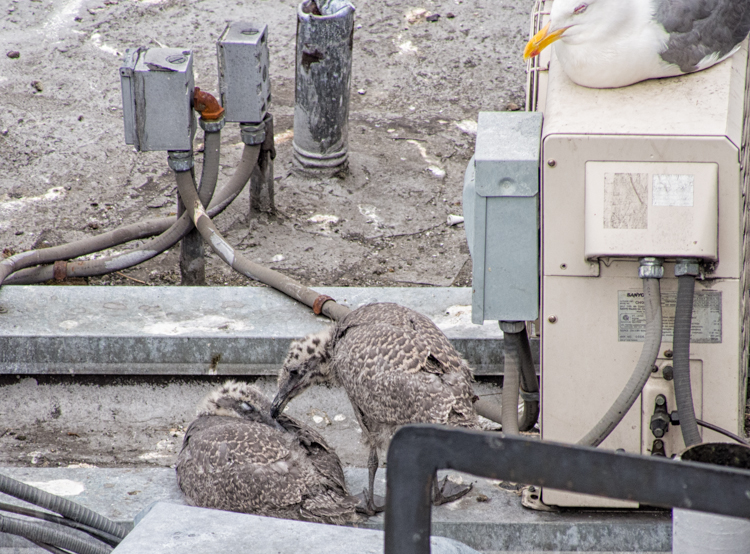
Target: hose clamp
x: 651, y: 268
x: 687, y: 266
x: 253, y: 133
x: 212, y: 126
x: 180, y: 160
x: 512, y: 326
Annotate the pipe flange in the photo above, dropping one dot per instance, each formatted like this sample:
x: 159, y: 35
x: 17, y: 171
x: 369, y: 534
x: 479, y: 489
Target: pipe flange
x: 180, y: 160
x: 253, y: 133
x: 687, y: 266
x: 212, y: 126
x: 318, y: 304
x: 512, y: 326
x: 650, y: 268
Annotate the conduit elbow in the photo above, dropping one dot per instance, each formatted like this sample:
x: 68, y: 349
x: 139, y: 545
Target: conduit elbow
x: 205, y: 104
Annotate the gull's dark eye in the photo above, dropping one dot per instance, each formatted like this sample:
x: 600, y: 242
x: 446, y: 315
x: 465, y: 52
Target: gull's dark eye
x: 580, y: 8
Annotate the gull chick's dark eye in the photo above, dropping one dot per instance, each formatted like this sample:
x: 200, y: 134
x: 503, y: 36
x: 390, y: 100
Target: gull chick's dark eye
x: 580, y: 8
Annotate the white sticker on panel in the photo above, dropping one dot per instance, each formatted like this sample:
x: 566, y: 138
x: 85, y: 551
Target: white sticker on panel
x: 626, y: 200
x: 706, y: 323
x: 673, y: 190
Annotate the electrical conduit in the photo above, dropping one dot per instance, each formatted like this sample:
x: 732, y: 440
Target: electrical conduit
x: 685, y: 270
x: 650, y: 271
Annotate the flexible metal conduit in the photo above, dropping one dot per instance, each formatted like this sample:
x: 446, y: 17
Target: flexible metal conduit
x: 529, y: 385
x: 511, y: 372
x: 651, y: 271
x: 146, y: 251
x: 686, y: 271
x: 59, y: 505
x: 224, y: 250
x: 44, y: 534
x: 46, y: 516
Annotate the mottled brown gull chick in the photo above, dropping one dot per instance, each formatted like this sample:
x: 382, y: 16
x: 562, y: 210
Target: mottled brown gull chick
x: 236, y: 457
x: 396, y: 366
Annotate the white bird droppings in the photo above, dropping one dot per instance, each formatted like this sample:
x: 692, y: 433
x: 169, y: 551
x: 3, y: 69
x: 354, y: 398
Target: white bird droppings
x: 60, y: 487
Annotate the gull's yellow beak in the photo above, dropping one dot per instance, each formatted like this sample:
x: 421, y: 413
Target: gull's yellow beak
x: 540, y: 41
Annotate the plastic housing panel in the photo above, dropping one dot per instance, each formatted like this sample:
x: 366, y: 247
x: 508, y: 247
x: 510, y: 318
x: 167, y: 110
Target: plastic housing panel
x: 651, y: 209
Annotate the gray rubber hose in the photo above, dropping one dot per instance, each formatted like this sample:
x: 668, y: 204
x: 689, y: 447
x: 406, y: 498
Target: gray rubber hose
x: 651, y: 344
x: 681, y: 361
x: 150, y: 248
x: 279, y: 281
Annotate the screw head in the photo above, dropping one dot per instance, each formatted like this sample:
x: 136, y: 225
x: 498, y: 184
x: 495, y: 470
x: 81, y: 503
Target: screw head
x: 552, y: 319
x: 563, y: 266
x: 551, y: 162
x: 667, y: 353
x: 250, y: 31
x: 176, y: 58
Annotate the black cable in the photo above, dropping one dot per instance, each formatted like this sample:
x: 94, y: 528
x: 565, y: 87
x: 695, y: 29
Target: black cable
x: 98, y: 533
x: 722, y: 431
x: 48, y: 547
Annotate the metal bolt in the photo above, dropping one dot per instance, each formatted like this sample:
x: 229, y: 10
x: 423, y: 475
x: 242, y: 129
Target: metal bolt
x: 532, y: 488
x: 661, y: 400
x: 668, y: 373
x: 667, y: 353
x: 551, y: 162
x: 552, y: 319
x: 658, y: 432
x: 654, y: 368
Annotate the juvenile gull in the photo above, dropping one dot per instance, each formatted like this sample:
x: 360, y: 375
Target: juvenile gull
x: 396, y: 366
x: 236, y: 457
x: 614, y: 43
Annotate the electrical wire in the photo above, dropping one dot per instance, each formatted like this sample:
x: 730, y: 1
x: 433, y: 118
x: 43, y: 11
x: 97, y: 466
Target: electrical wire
x: 722, y: 431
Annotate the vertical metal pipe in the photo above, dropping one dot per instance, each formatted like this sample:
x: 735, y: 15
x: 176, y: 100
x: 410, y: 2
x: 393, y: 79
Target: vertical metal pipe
x: 325, y: 32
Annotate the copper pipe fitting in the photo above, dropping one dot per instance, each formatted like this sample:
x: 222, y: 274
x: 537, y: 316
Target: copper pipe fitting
x: 205, y: 104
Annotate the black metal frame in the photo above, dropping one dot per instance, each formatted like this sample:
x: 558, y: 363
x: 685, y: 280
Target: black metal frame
x: 416, y: 451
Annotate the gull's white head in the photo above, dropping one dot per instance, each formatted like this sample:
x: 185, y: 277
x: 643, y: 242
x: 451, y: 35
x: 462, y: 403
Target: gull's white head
x: 578, y: 22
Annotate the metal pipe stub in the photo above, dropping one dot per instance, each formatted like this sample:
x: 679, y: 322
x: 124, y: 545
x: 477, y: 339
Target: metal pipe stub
x: 325, y: 31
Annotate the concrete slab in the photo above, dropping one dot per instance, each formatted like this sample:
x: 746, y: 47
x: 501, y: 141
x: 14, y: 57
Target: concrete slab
x: 200, y: 330
x: 173, y: 528
x: 489, y: 519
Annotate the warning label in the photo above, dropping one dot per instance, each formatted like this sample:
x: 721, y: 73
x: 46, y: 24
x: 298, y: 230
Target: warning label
x: 706, y: 324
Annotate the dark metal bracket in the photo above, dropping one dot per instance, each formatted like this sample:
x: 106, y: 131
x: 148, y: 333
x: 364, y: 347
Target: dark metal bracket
x: 416, y: 451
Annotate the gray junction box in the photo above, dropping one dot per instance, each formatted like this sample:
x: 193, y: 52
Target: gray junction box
x: 242, y: 51
x: 157, y: 95
x: 501, y: 209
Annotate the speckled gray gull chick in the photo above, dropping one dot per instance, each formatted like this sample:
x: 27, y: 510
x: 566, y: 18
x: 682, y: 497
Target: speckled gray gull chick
x: 236, y: 457
x: 397, y: 368
x: 614, y: 43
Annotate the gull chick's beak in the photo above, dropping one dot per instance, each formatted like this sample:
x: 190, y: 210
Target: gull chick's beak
x: 541, y: 40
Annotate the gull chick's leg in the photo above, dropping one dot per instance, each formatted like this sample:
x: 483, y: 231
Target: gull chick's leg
x: 447, y: 491
x: 368, y: 497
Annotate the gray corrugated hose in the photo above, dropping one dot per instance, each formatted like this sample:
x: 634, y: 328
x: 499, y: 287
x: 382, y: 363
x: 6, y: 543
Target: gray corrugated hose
x: 681, y: 362
x: 45, y: 534
x: 59, y: 505
x: 511, y: 374
x: 651, y: 344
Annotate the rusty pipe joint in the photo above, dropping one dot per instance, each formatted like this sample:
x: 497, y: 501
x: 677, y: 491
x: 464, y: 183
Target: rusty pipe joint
x: 207, y: 105
x: 180, y: 160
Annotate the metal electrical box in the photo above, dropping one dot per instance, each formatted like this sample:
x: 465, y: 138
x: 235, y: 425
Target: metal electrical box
x: 501, y: 205
x: 653, y: 169
x: 242, y: 51
x: 157, y: 94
